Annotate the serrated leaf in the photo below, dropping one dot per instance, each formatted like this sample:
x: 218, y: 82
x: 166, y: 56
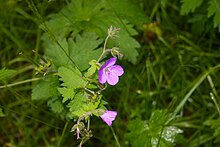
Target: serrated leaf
x: 79, y: 105
x: 56, y: 53
x: 157, y: 120
x: 97, y: 16
x: 189, y: 6
x: 75, y: 106
x: 128, y: 46
x: 84, y: 49
x: 56, y: 105
x: 138, y: 129
x: 67, y: 93
x: 71, y: 77
x: 45, y: 89
x: 148, y: 133
x: 91, y: 105
x: 92, y: 69
x: 6, y: 73
x: 128, y: 10
x: 214, y: 9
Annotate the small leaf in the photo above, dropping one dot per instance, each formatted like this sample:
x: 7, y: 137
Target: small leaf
x: 71, y: 77
x: 214, y: 9
x: 76, y: 105
x: 45, y: 88
x: 79, y: 105
x: 67, y: 93
x: 189, y: 6
x: 56, y: 105
x: 92, y: 69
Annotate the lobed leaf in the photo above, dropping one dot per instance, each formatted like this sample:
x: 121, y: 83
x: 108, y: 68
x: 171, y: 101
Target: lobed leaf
x: 56, y: 105
x: 94, y: 16
x: 71, y: 77
x: 214, y: 10
x: 189, y: 6
x: 84, y: 49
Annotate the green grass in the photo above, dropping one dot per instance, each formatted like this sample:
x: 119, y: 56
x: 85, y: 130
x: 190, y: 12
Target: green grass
x: 177, y: 71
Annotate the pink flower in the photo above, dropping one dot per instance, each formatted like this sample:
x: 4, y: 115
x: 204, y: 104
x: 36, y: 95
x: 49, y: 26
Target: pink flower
x: 110, y: 72
x: 108, y: 117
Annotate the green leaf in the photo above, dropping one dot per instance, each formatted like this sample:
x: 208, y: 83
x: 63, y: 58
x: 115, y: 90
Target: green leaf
x: 128, y: 46
x: 1, y: 113
x: 148, y: 134
x: 79, y: 105
x: 214, y: 9
x: 92, y: 69
x: 128, y: 10
x: 45, y: 88
x: 6, y: 74
x: 84, y: 49
x: 138, y: 129
x: 76, y: 105
x: 71, y: 77
x: 215, y: 125
x: 94, y: 16
x: 67, y: 93
x: 56, y: 53
x: 189, y: 6
x: 56, y: 105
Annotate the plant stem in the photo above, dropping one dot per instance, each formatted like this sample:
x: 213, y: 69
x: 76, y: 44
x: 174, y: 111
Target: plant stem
x: 64, y: 130
x: 104, y: 48
x: 116, y: 138
x: 21, y: 82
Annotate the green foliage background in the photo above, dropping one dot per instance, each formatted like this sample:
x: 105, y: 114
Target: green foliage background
x: 168, y: 96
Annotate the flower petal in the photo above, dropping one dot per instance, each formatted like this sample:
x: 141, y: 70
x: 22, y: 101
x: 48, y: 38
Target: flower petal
x: 117, y: 70
x: 112, y: 78
x: 102, y: 76
x: 108, y: 117
x: 109, y: 62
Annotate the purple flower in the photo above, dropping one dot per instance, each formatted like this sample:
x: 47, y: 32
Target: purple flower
x: 108, y: 117
x: 110, y: 72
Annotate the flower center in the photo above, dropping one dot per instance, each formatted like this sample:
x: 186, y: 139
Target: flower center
x: 107, y: 70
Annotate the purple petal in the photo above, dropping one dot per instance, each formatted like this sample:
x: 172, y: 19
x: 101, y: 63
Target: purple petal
x: 102, y: 76
x: 112, y: 79
x: 117, y: 70
x: 108, y: 117
x: 109, y: 62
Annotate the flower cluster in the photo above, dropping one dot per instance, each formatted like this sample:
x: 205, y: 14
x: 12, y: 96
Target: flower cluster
x: 109, y: 72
